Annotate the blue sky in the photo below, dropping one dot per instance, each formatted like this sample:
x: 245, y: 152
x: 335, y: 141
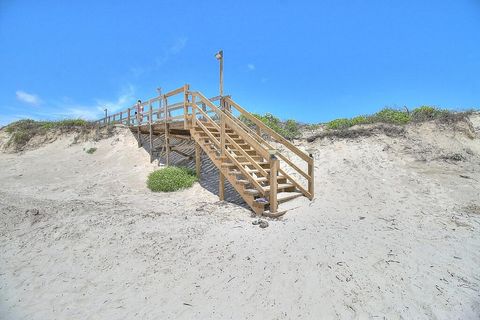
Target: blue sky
x: 308, y: 60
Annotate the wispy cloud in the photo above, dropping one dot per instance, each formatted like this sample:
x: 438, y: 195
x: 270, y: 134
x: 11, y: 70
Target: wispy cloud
x: 251, y: 66
x: 68, y: 109
x: 177, y: 47
x: 28, y: 98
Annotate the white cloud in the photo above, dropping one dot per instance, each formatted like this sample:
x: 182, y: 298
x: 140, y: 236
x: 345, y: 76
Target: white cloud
x: 178, y: 45
x: 95, y: 111
x: 251, y: 66
x: 28, y: 98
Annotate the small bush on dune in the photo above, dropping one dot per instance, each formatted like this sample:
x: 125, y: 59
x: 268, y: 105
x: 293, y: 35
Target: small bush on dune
x: 67, y: 123
x: 341, y: 123
x: 425, y: 113
x: 392, y: 116
x: 171, y: 179
x: 289, y: 129
x: 91, y: 150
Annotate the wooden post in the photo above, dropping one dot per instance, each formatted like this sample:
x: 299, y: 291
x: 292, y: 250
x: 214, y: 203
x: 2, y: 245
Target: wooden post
x: 167, y: 138
x: 159, y: 90
x: 139, y: 137
x: 222, y: 130
x: 198, y: 159
x: 311, y: 174
x: 150, y: 132
x: 121, y: 117
x: 274, y: 165
x: 221, y: 184
x: 186, y: 87
x: 128, y: 117
x: 204, y: 108
x: 194, y: 114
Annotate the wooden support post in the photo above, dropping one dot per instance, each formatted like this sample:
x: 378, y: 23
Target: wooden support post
x: 139, y: 137
x: 311, y: 174
x: 121, y: 117
x: 150, y: 132
x: 274, y: 166
x: 128, y: 117
x: 159, y: 90
x: 221, y: 186
x: 198, y: 159
x: 194, y: 114
x: 204, y: 108
x: 186, y: 87
x: 167, y: 138
x: 167, y: 145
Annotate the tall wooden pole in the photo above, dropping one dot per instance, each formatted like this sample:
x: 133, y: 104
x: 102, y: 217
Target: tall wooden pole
x: 221, y: 73
x: 150, y: 132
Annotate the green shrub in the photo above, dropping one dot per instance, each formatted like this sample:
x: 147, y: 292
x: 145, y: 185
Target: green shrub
x: 425, y: 113
x: 171, y: 179
x: 361, y: 120
x: 393, y: 116
x: 67, y: 123
x: 91, y: 150
x: 289, y: 129
x: 337, y: 124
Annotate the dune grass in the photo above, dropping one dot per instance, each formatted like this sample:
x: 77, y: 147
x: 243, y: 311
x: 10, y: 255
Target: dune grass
x: 289, y: 129
x: 395, y: 116
x: 24, y: 130
x: 171, y: 179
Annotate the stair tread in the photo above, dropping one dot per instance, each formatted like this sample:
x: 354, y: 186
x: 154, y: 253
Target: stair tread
x: 263, y: 179
x: 279, y: 187
x: 267, y: 188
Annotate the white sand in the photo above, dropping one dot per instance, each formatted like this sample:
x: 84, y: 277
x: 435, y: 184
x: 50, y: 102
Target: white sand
x: 387, y: 236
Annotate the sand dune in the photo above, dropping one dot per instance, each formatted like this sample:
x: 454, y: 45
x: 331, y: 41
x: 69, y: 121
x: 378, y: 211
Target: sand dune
x: 393, y: 232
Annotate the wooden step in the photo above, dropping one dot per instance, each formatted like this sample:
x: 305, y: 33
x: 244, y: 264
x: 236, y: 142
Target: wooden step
x: 266, y: 189
x: 243, y: 181
x: 285, y: 196
x: 250, y: 164
x: 255, y: 170
x: 265, y: 179
x: 228, y: 164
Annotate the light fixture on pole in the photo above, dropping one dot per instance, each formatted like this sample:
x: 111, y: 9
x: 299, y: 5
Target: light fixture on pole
x: 219, y: 57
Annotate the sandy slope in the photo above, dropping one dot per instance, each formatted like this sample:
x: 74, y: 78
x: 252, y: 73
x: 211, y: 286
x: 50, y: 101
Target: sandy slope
x: 393, y: 232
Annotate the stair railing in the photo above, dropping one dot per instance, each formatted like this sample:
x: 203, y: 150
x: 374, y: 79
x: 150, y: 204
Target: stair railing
x: 228, y: 125
x: 263, y: 129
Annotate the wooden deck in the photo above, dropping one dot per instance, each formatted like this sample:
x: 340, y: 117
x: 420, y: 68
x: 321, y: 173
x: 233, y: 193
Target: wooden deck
x: 262, y: 175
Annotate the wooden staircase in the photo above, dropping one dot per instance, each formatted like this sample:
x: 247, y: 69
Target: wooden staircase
x: 242, y: 154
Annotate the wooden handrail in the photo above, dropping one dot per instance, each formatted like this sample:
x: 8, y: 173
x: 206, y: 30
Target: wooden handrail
x: 270, y: 131
x: 279, y: 138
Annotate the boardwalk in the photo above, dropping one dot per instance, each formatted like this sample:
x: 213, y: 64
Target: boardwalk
x: 248, y: 157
